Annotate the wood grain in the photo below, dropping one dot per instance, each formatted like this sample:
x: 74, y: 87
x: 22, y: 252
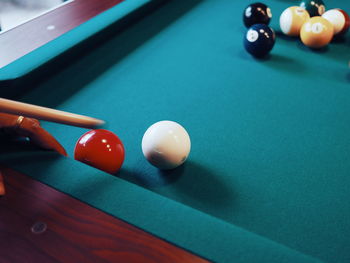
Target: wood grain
x: 27, y: 37
x: 40, y: 224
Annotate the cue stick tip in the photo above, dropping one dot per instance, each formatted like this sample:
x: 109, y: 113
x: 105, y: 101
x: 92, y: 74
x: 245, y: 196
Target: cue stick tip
x: 98, y: 123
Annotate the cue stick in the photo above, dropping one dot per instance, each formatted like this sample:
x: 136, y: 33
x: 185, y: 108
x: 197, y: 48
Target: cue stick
x: 48, y: 114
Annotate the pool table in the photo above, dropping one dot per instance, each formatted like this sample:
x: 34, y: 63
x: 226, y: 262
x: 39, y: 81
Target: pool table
x: 268, y: 176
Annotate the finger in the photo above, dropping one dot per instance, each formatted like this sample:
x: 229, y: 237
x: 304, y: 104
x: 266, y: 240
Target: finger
x: 31, y: 128
x: 7, y: 120
x: 2, y: 185
x: 44, y: 139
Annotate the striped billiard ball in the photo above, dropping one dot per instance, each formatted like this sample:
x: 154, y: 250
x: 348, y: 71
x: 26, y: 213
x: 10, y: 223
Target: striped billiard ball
x: 339, y: 19
x: 292, y: 19
x: 317, y: 32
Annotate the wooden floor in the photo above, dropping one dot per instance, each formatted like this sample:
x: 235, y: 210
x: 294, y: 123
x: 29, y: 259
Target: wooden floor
x: 40, y: 224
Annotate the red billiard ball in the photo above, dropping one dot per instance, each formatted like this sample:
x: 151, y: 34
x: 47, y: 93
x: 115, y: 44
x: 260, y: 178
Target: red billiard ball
x: 101, y: 149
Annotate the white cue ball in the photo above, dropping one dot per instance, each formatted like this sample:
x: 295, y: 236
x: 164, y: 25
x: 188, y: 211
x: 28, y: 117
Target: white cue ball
x: 166, y: 145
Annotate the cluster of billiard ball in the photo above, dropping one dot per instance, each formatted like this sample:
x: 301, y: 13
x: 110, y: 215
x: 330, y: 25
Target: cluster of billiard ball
x: 165, y: 144
x: 315, y: 26
x: 259, y: 38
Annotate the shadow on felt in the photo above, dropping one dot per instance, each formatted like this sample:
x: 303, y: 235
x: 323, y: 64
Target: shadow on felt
x: 321, y: 50
x: 191, y: 184
x: 281, y: 35
x: 276, y: 61
x: 348, y: 77
x: 13, y: 145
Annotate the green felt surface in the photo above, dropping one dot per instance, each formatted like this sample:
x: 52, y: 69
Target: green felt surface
x: 268, y: 175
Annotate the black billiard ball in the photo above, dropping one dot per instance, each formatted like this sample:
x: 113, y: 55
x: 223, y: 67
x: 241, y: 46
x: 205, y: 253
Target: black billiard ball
x: 257, y: 13
x: 314, y: 7
x: 259, y: 40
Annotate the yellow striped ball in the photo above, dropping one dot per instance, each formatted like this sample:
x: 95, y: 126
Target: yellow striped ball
x: 292, y: 19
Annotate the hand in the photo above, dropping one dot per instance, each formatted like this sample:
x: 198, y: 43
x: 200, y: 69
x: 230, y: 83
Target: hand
x: 30, y: 128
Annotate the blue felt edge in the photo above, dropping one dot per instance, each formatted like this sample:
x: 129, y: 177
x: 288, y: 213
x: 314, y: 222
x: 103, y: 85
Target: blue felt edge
x: 45, y: 53
x: 174, y: 222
